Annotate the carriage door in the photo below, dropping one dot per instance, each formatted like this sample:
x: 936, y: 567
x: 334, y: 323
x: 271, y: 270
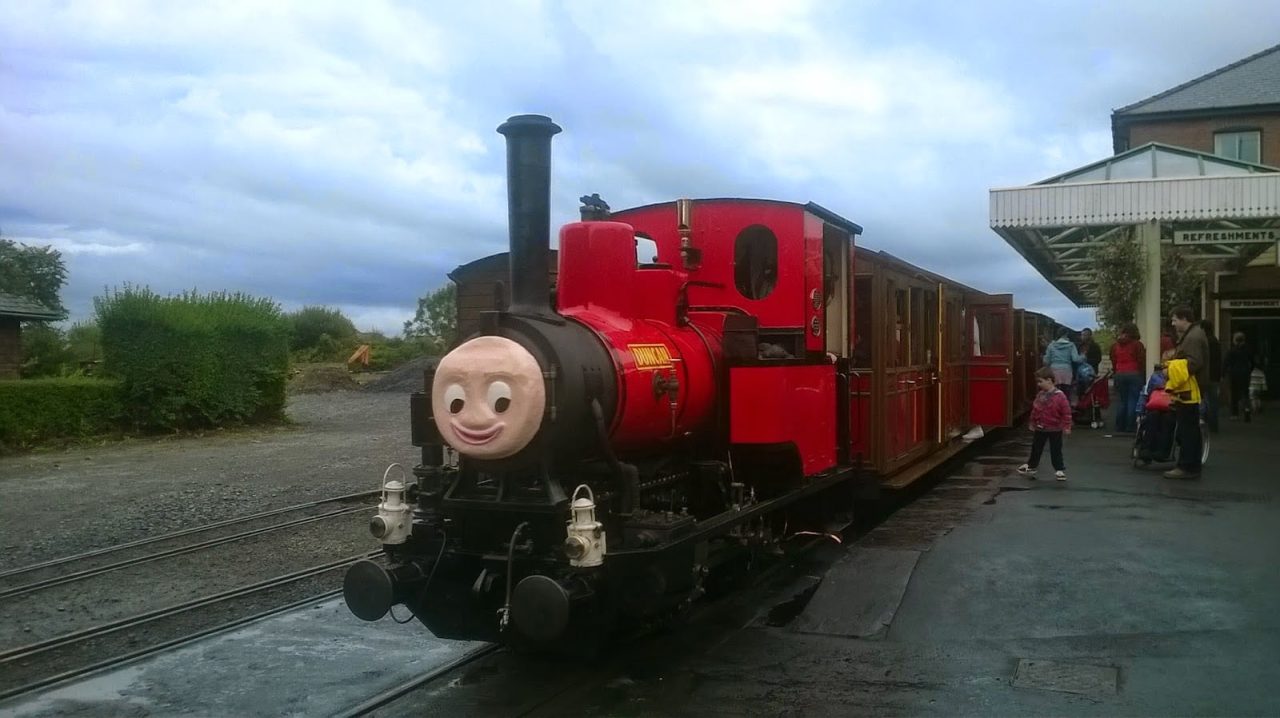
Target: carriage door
x: 955, y: 367
x: 1020, y: 371
x: 911, y: 379
x: 990, y: 326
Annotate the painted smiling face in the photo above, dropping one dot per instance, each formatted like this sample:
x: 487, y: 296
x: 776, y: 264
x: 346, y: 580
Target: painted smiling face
x: 488, y: 397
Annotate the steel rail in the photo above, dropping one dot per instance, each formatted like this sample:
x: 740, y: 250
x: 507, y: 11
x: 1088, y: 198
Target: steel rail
x: 178, y: 534
x: 119, y: 661
x: 22, y: 652
x: 176, y: 551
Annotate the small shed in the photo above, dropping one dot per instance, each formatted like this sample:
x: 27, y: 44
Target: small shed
x: 478, y: 288
x: 14, y: 310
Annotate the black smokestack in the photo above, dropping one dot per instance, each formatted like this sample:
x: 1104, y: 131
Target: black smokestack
x: 529, y: 209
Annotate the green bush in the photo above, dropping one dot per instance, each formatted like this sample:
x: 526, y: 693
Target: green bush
x: 45, y: 352
x: 194, y: 361
x: 37, y: 410
x: 387, y: 354
x: 309, y: 327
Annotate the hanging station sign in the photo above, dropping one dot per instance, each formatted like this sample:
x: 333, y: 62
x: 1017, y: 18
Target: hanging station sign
x: 1251, y: 304
x: 1226, y: 236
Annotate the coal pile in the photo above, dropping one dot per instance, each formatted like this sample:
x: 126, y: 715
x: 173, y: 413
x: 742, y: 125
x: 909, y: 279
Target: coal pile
x: 405, y: 379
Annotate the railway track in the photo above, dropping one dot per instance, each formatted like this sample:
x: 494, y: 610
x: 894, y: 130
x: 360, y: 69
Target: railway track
x: 395, y: 693
x: 43, y: 663
x: 26, y: 579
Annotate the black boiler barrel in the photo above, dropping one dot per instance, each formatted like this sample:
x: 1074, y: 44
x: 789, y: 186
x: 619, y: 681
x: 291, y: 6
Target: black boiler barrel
x: 529, y: 209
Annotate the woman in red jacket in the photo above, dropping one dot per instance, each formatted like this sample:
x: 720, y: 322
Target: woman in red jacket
x: 1129, y: 362
x: 1050, y: 419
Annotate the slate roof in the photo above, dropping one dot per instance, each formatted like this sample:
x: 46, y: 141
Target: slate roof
x: 12, y: 305
x: 1255, y: 80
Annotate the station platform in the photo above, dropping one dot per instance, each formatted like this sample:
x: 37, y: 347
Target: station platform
x: 1117, y: 592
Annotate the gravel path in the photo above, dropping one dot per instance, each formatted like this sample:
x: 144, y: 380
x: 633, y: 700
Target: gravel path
x: 63, y: 502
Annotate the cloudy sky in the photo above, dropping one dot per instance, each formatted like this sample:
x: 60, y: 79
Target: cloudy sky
x: 344, y: 153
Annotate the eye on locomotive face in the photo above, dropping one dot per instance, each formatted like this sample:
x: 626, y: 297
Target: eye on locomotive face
x: 488, y: 398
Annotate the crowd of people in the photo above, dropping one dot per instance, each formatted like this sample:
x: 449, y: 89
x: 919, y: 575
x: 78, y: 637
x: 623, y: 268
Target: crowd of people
x: 1162, y: 410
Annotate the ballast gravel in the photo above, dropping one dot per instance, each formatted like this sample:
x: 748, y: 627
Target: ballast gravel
x: 58, y: 503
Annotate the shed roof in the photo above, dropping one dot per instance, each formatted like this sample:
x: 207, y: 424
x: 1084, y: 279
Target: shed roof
x: 12, y: 305
x: 1057, y: 223
x: 1254, y: 80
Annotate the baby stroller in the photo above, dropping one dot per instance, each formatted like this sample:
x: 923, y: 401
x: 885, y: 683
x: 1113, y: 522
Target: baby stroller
x: 1094, y: 397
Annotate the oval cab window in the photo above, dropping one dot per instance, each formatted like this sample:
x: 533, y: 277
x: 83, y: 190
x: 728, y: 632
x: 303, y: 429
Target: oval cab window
x: 755, y: 261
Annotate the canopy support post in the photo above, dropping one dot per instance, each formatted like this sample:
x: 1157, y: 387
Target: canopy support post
x: 1148, y: 316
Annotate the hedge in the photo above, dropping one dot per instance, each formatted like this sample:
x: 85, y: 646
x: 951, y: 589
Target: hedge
x: 37, y: 410
x: 194, y: 361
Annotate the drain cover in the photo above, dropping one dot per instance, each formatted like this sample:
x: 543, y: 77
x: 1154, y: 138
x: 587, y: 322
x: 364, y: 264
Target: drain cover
x: 1066, y: 677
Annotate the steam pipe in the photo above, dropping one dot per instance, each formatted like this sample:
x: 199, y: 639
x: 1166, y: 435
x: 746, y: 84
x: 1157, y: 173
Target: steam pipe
x: 529, y: 210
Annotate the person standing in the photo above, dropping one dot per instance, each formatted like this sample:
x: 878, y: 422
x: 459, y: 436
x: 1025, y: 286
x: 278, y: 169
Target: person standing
x: 1061, y: 357
x: 1193, y: 346
x: 1238, y: 365
x: 1050, y: 419
x: 1129, y: 362
x: 1090, y: 350
x: 1211, y: 391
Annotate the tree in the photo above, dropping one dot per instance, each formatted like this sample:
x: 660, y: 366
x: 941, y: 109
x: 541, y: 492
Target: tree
x: 1179, y: 283
x: 437, y: 318
x: 33, y: 272
x: 1119, y: 267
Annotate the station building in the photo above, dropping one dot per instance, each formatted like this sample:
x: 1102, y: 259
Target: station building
x: 1196, y: 171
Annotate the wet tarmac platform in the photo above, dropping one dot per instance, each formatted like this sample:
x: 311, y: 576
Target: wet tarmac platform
x: 1117, y: 592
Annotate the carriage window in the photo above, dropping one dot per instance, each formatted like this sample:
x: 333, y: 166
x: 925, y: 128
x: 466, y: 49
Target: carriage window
x: 955, y: 322
x: 646, y: 250
x: 919, y: 340
x: 900, y: 335
x: 989, y: 337
x: 755, y: 262
x: 862, y: 327
x: 930, y: 311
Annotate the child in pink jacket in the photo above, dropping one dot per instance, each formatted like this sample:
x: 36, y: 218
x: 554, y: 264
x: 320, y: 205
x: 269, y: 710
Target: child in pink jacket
x: 1050, y: 419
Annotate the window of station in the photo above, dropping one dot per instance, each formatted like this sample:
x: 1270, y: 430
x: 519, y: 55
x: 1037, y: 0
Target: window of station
x: 863, y: 334
x: 755, y: 261
x: 989, y: 334
x: 1243, y: 145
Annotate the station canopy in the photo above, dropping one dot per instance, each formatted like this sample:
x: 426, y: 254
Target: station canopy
x: 1222, y: 212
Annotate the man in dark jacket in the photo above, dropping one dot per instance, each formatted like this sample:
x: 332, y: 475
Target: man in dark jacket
x: 1193, y: 346
x: 1239, y: 364
x: 1090, y: 350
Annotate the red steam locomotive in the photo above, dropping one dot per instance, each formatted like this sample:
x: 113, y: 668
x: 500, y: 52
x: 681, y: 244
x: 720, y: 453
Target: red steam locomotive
x: 600, y: 459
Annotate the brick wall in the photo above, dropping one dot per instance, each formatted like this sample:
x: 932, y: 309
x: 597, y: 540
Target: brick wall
x: 1197, y: 133
x: 10, y: 348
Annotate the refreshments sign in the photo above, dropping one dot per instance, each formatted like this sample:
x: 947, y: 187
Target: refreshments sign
x: 1251, y: 304
x: 1226, y: 236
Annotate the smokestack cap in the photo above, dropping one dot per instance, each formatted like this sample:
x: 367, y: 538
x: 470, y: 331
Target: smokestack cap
x: 529, y: 124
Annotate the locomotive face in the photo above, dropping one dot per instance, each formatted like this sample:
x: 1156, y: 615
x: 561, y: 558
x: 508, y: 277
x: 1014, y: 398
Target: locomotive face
x: 488, y: 398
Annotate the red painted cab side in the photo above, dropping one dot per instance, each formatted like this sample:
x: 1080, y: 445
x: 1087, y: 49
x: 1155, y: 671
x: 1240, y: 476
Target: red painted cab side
x: 786, y: 404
